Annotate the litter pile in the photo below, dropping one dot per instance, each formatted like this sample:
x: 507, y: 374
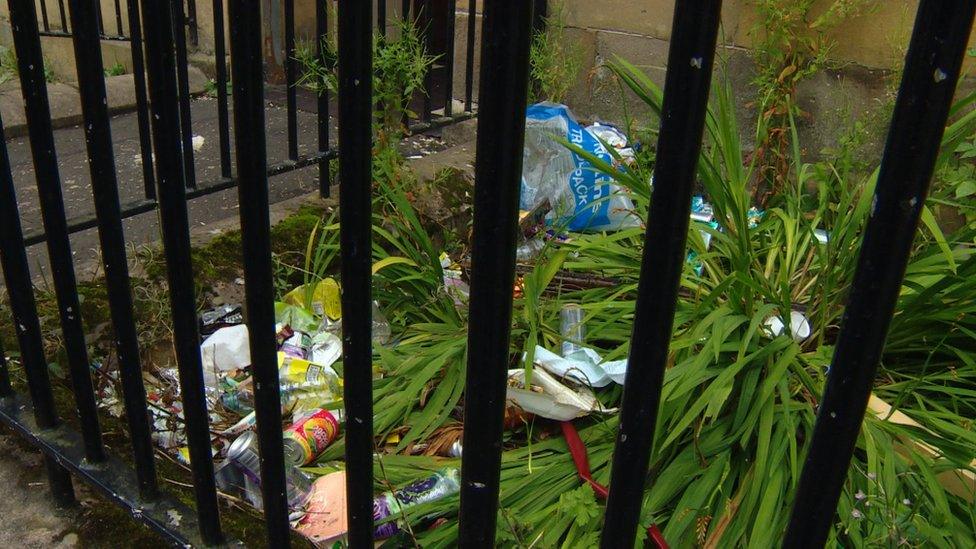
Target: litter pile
x: 571, y: 365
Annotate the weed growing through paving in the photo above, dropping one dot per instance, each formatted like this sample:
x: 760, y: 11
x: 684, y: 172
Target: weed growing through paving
x: 9, y: 69
x: 118, y: 69
x: 555, y: 59
x: 400, y: 64
x: 210, y: 88
x: 792, y: 44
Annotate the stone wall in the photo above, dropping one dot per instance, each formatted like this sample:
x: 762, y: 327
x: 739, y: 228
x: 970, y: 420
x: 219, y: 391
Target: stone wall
x: 867, y: 49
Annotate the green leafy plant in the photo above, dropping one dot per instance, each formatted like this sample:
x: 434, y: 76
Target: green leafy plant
x: 9, y: 69
x: 117, y: 69
x: 8, y: 64
x: 210, y: 88
x: 738, y: 405
x: 400, y: 64
x: 791, y: 44
x: 555, y: 59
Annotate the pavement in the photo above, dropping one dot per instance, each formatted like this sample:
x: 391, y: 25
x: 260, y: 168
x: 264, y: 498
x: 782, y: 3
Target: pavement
x: 203, y: 211
x: 30, y: 520
x: 144, y: 228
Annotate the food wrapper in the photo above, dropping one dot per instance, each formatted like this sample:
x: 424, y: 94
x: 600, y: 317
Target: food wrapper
x: 325, y: 520
x: 549, y: 398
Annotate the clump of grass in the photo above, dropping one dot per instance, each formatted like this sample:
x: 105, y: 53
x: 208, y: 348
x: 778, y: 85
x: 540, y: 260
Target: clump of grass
x: 555, y: 60
x: 400, y: 64
x: 118, y: 69
x: 9, y: 69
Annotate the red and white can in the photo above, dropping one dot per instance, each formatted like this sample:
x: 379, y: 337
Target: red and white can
x: 307, y: 438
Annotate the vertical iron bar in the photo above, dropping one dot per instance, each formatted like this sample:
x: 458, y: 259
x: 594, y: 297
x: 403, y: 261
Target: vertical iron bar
x: 498, y: 172
x: 23, y: 310
x: 191, y: 21
x: 62, y: 489
x: 44, y: 21
x: 98, y: 15
x: 161, y: 64
x: 405, y: 17
x: 322, y: 37
x: 64, y: 19
x: 179, y: 21
x: 290, y: 90
x: 694, y: 32
x: 355, y: 221
x: 223, y: 117
x: 118, y: 18
x: 252, y: 171
x: 104, y: 182
x: 469, y: 57
x: 381, y: 17
x: 540, y: 10
x: 27, y: 42
x: 932, y: 67
x: 5, y: 388
x: 426, y: 22
x: 20, y: 292
x: 142, y: 103
x: 449, y: 58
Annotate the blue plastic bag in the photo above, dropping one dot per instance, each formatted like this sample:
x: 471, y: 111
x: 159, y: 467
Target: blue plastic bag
x: 582, y: 198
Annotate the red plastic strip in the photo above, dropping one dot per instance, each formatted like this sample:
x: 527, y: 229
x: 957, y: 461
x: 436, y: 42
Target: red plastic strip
x: 582, y: 461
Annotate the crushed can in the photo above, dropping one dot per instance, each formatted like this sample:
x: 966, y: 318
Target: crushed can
x: 307, y: 438
x: 455, y: 450
x: 244, y: 453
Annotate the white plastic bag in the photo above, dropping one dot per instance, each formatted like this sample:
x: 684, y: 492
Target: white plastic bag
x: 225, y: 350
x: 555, y: 401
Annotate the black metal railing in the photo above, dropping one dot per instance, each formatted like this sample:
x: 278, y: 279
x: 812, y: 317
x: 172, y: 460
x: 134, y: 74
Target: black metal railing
x: 183, y: 20
x: 64, y: 26
x: 931, y: 72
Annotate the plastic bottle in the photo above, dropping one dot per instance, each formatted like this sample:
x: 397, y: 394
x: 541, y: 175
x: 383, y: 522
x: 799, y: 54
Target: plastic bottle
x: 571, y: 327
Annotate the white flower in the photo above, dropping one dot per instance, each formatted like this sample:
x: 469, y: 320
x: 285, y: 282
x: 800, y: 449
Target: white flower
x: 860, y: 495
x: 907, y: 502
x: 857, y: 514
